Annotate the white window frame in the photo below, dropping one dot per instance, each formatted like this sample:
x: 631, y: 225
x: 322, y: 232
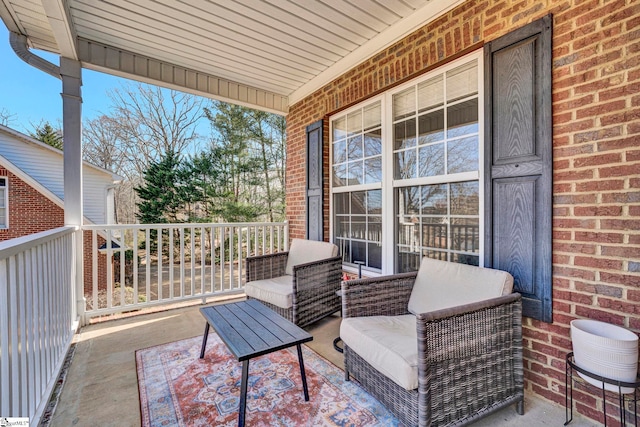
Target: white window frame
x: 389, y: 183
x: 6, y: 201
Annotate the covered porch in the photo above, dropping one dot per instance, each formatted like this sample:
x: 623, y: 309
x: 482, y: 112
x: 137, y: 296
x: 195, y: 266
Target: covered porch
x: 576, y: 251
x: 100, y: 386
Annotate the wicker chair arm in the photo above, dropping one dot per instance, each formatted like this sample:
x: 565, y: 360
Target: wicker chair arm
x: 471, y: 329
x: 378, y: 296
x: 266, y: 266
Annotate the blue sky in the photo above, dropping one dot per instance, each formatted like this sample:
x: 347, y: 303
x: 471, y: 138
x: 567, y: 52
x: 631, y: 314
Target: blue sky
x: 33, y: 96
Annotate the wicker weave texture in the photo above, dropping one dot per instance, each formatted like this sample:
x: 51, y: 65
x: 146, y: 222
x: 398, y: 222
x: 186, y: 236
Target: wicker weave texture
x: 314, y: 285
x: 377, y: 296
x: 469, y: 357
x: 403, y: 403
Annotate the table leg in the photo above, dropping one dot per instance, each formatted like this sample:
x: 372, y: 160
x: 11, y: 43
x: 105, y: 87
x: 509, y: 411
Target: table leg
x: 243, y: 393
x: 302, y: 374
x: 204, y: 340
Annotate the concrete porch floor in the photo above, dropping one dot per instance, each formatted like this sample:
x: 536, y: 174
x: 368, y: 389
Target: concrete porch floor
x: 101, y: 386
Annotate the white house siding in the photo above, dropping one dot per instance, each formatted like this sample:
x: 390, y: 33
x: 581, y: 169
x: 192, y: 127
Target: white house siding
x: 45, y: 165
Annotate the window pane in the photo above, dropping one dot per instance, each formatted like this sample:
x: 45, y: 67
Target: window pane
x: 3, y: 218
x: 466, y: 259
x: 409, y: 202
x: 404, y: 134
x: 374, y: 259
x: 434, y: 199
x: 341, y: 228
x: 465, y: 198
x: 373, y: 170
x: 431, y: 127
x: 430, y: 93
x: 404, y: 103
x: 462, y: 155
x: 434, y: 233
x: 462, y: 119
x: 408, y: 261
x: 341, y: 203
x: 373, y: 143
x: 465, y: 235
x: 441, y: 255
x: 358, y: 203
x: 374, y: 229
x: 358, y: 227
x: 408, y: 233
x: 374, y: 202
x: 355, y: 173
x: 344, y: 246
x: 432, y: 160
x: 358, y: 251
x: 372, y: 116
x: 2, y: 198
x: 340, y: 175
x: 405, y: 165
x: 340, y: 152
x: 339, y: 128
x: 354, y: 148
x: 354, y: 123
x: 462, y: 81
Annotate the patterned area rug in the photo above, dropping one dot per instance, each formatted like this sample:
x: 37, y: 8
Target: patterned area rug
x: 179, y: 389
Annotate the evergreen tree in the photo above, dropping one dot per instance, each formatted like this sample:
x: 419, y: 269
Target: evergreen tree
x: 161, y: 200
x: 47, y: 134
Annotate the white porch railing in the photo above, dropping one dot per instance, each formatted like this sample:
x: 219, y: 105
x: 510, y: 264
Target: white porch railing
x: 37, y: 318
x: 141, y: 265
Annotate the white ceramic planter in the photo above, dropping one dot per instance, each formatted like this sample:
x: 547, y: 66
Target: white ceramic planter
x: 607, y: 350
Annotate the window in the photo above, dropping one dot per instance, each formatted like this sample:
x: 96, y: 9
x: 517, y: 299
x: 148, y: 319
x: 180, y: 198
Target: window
x: 356, y: 182
x: 406, y: 173
x: 4, y: 203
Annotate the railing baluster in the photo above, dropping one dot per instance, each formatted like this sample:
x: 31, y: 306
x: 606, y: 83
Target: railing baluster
x: 94, y: 268
x: 147, y: 257
x: 222, y: 257
x: 203, y: 260
x: 193, y: 260
x: 109, y: 270
x: 231, y: 257
x: 134, y: 262
x: 122, y: 278
x: 181, y: 261
x: 159, y: 267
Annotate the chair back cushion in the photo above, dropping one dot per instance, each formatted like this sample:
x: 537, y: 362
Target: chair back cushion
x: 442, y: 284
x: 303, y: 251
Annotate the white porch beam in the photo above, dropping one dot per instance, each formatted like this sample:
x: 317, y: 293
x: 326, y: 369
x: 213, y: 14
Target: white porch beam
x: 111, y: 60
x: 71, y: 74
x: 59, y: 18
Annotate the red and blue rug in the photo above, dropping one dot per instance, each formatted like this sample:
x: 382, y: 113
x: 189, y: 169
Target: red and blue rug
x: 177, y: 388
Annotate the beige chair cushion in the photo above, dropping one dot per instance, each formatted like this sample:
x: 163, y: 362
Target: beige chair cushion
x: 442, y: 284
x: 304, y: 251
x: 277, y: 291
x: 388, y: 343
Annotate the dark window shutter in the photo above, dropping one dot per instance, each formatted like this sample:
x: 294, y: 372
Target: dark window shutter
x: 518, y: 162
x: 314, y: 182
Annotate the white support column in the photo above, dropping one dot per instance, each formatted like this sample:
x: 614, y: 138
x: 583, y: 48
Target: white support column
x: 71, y: 74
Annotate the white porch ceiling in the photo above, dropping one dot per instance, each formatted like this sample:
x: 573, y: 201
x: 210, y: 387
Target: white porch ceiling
x: 266, y: 54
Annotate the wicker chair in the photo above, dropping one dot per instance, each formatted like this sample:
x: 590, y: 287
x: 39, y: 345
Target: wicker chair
x: 300, y: 284
x: 469, y: 357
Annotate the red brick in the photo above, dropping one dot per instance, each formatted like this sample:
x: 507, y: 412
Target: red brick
x: 598, y: 263
x: 597, y: 211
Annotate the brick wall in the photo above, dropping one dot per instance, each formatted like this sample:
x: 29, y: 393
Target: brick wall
x: 31, y: 212
x: 596, y: 137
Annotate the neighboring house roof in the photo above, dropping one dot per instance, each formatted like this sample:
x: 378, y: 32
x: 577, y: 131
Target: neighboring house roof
x: 41, y: 166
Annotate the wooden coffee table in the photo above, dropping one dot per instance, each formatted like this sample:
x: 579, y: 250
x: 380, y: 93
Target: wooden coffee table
x: 249, y: 329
